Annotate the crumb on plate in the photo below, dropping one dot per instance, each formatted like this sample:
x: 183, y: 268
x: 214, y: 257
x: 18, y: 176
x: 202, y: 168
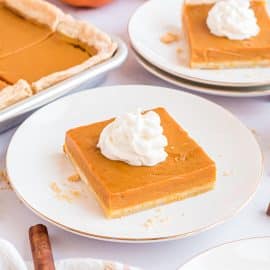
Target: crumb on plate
x: 55, y: 188
x: 179, y: 50
x: 74, y: 178
x: 155, y: 220
x: 76, y: 193
x: 4, y: 181
x: 225, y: 173
x: 169, y: 38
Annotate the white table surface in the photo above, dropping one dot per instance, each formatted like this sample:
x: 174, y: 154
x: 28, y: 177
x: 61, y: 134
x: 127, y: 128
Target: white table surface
x: 15, y: 218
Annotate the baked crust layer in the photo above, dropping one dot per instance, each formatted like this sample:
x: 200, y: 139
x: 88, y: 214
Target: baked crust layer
x: 14, y: 93
x: 117, y: 213
x: 42, y: 12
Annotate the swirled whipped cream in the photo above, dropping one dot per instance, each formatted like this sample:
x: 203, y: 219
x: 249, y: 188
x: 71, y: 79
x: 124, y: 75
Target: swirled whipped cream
x: 233, y: 19
x: 134, y: 138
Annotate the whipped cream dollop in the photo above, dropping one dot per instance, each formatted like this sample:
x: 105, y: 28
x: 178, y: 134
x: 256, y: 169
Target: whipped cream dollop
x: 134, y: 138
x: 233, y: 19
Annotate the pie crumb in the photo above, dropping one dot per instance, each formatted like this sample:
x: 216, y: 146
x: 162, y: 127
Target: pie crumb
x: 169, y: 38
x: 64, y: 197
x: 4, y: 181
x: 179, y: 50
x: 148, y: 223
x: 59, y: 194
x: 74, y: 178
x: 55, y: 188
x: 75, y: 193
x: 65, y: 194
x: 3, y: 176
x: 155, y: 220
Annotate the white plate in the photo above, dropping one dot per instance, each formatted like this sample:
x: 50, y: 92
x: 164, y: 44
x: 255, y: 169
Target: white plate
x: 35, y: 160
x: 203, y: 88
x: 248, y: 254
x: 153, y: 19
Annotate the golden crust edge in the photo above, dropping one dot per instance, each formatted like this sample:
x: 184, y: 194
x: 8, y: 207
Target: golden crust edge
x: 86, y: 33
x: 37, y: 10
x: 14, y: 93
x: 230, y: 64
x: 118, y: 213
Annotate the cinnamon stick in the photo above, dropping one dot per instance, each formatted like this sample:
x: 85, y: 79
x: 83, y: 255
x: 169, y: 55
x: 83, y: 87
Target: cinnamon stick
x: 41, y: 248
x: 268, y: 210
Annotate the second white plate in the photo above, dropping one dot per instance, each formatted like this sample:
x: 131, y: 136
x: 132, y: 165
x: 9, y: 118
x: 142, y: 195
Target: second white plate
x: 155, y: 18
x: 248, y: 254
x: 238, y: 92
x: 38, y: 169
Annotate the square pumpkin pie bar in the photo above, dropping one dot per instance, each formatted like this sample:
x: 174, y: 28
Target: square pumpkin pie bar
x: 40, y: 46
x: 208, y: 50
x: 123, y: 189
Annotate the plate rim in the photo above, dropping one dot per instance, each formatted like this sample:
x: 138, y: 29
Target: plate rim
x: 143, y: 239
x: 200, y: 89
x: 181, y: 75
x: 215, y: 247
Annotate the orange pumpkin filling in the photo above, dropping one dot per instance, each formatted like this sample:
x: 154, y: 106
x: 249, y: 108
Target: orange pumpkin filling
x: 31, y: 51
x: 123, y: 189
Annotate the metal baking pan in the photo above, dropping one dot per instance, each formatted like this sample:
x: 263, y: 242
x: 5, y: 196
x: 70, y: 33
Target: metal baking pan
x: 16, y: 113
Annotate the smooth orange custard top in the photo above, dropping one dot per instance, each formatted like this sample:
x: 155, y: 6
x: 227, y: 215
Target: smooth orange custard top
x: 186, y: 166
x: 31, y: 51
x: 205, y: 46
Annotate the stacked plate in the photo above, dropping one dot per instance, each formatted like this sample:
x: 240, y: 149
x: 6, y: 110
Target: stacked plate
x: 169, y: 61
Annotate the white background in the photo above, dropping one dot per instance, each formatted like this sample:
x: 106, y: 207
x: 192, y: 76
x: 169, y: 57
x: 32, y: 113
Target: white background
x: 15, y: 218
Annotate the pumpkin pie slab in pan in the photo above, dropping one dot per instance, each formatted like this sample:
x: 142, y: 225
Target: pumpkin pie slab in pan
x: 41, y: 47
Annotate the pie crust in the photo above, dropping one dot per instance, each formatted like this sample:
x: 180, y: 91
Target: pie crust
x: 14, y: 93
x: 44, y: 13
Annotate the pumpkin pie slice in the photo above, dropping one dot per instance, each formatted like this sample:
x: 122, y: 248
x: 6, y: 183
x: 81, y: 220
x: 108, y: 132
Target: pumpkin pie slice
x: 123, y: 189
x: 41, y: 46
x: 211, y: 52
